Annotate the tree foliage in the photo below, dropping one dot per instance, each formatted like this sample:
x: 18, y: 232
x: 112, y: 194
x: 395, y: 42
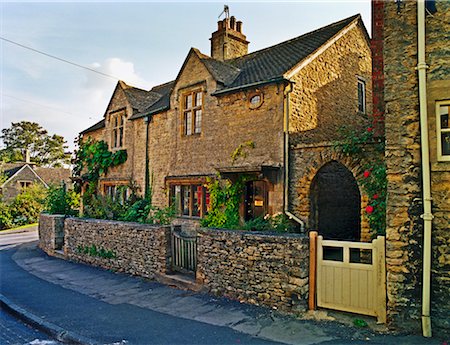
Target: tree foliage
x: 44, y: 149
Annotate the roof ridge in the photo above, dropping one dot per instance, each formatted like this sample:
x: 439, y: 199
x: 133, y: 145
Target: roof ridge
x: 349, y: 19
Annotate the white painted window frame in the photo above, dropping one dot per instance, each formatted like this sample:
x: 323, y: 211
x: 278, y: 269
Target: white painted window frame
x: 439, y: 130
x: 363, y: 83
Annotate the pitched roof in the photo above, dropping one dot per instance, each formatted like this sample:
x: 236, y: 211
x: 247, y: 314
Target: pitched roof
x: 100, y: 124
x: 9, y: 169
x: 272, y: 63
x: 53, y: 175
x: 162, y: 102
x: 263, y: 66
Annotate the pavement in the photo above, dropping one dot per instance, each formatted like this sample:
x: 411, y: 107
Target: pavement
x: 80, y: 304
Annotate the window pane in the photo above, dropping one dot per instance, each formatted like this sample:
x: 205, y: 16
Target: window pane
x: 361, y: 96
x: 197, y: 202
x: 188, y: 102
x: 186, y: 197
x: 115, y: 137
x: 198, y: 99
x: 444, y: 116
x: 120, y: 136
x: 188, y: 123
x: 445, y: 143
x: 198, y: 121
x: 176, y: 198
x: 255, y: 100
x: 207, y: 202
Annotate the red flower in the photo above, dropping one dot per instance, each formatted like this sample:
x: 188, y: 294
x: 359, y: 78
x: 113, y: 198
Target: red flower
x: 366, y: 173
x: 370, y: 129
x: 369, y: 209
x: 375, y: 196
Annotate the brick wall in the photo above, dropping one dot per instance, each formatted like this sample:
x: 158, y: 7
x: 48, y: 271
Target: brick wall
x: 256, y: 268
x: 138, y: 249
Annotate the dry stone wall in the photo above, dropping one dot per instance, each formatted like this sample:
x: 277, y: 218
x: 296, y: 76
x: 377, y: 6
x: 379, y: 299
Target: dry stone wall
x: 133, y: 248
x: 51, y: 232
x: 256, y: 268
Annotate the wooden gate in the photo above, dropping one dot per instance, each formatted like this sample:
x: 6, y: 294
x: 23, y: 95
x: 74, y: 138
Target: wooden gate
x: 184, y: 251
x: 351, y: 276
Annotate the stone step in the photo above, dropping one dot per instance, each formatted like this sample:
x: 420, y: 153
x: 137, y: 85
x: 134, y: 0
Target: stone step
x: 180, y: 281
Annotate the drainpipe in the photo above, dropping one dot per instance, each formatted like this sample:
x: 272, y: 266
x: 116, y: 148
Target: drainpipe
x: 427, y: 215
x: 147, y: 167
x: 287, y: 91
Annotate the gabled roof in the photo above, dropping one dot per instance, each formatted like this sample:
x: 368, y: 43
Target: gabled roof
x: 162, y: 103
x: 270, y: 64
x: 53, y: 175
x: 46, y: 175
x: 100, y: 124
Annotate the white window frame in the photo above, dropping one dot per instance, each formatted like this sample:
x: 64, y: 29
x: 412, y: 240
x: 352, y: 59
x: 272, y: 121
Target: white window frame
x: 361, y: 81
x: 440, y: 130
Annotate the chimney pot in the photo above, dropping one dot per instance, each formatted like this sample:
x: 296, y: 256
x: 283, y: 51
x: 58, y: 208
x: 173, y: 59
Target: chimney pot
x: 219, y: 25
x: 239, y: 26
x: 233, y: 23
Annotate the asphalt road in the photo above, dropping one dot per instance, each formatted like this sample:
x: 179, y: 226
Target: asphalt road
x: 11, y: 238
x: 15, y: 332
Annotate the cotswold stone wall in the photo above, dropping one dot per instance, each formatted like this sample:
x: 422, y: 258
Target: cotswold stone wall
x: 256, y: 268
x: 404, y: 233
x: 132, y: 248
x: 51, y: 232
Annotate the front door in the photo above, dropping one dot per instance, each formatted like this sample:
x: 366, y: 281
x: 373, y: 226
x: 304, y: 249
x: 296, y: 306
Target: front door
x: 256, y: 203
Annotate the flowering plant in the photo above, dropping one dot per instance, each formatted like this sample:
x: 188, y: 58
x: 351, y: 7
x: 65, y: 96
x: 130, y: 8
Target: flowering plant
x: 365, y: 145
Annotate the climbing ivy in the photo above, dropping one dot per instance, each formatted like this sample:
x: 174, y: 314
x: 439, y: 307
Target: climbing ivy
x: 93, y: 159
x: 373, y: 181
x: 225, y: 198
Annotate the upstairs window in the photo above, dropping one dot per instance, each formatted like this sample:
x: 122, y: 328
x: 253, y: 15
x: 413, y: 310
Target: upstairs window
x: 117, y: 132
x: 361, y: 96
x: 443, y: 130
x: 192, y: 112
x: 25, y: 184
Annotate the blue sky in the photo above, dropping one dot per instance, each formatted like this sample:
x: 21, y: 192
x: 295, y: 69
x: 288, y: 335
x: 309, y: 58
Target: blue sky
x: 142, y: 43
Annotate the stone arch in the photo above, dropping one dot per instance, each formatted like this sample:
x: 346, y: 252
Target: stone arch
x: 335, y: 203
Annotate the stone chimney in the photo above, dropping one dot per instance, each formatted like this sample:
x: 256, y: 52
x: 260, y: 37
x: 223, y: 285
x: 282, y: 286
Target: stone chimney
x: 228, y: 42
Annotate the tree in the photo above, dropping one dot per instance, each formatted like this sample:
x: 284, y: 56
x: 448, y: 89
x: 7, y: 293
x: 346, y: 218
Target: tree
x: 29, y: 137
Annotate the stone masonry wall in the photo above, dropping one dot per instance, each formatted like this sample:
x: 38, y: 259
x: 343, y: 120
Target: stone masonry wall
x: 227, y: 122
x: 305, y: 162
x: 51, y: 232
x: 256, y: 268
x: 404, y: 234
x: 138, y: 249
x: 325, y: 93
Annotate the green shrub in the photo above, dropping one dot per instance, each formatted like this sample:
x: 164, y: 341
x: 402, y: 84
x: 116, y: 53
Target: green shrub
x: 62, y: 201
x: 27, y: 206
x: 103, y: 207
x: 6, y: 220
x: 277, y: 222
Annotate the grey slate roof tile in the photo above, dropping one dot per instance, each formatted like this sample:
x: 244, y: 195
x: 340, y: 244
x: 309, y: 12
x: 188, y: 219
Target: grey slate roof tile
x: 263, y: 66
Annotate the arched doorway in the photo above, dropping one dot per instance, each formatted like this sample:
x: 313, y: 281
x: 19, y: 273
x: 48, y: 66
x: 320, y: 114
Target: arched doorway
x: 335, y: 203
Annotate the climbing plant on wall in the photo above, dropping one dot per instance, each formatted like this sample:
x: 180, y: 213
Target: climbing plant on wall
x: 364, y: 145
x: 92, y: 160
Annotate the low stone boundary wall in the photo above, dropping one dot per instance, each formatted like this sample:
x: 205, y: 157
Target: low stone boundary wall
x: 133, y: 248
x: 257, y: 268
x: 51, y: 232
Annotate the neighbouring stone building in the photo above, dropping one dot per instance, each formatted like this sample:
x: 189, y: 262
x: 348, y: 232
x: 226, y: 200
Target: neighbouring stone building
x: 281, y: 107
x: 21, y: 175
x: 396, y: 87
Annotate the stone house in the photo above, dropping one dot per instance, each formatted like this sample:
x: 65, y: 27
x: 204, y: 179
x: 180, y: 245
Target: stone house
x: 21, y: 175
x: 277, y: 109
x: 412, y: 95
